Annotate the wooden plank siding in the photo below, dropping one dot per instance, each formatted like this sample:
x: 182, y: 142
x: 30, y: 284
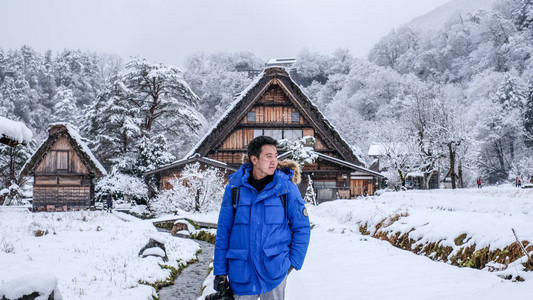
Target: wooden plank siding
x: 55, y: 158
x: 273, y: 114
x: 73, y: 197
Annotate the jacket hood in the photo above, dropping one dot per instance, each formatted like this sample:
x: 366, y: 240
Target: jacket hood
x: 289, y: 167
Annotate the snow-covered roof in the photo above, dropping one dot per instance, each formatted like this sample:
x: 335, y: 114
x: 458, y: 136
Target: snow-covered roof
x: 336, y: 160
x: 82, y: 148
x: 230, y: 108
x: 280, y: 62
x: 194, y: 158
x: 376, y: 150
x: 348, y: 164
x: 329, y: 131
x: 15, y: 131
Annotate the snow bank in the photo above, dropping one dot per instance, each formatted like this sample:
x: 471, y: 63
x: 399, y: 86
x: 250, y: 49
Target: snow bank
x: 42, y: 283
x: 486, y: 215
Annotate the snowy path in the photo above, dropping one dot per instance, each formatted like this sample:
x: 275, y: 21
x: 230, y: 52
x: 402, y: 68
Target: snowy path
x: 188, y: 284
x: 351, y: 266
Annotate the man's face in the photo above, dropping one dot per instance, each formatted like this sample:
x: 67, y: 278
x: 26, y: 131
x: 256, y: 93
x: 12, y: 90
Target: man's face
x: 266, y: 163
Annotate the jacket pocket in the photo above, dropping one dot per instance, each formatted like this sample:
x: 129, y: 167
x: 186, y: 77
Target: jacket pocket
x: 274, y: 211
x: 276, y: 261
x: 238, y: 266
x: 242, y: 214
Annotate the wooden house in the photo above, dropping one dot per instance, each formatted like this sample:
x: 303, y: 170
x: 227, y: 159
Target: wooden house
x: 64, y: 170
x: 275, y: 106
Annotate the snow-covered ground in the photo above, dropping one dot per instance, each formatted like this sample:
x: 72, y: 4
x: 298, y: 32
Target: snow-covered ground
x: 93, y: 254
x: 343, y: 264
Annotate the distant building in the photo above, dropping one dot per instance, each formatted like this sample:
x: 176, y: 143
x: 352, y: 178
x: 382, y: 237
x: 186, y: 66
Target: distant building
x: 280, y: 62
x: 63, y: 168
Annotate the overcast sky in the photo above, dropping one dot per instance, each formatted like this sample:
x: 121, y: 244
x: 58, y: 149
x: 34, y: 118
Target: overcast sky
x: 168, y: 31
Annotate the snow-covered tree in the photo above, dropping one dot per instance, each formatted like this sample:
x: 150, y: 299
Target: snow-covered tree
x: 65, y: 109
x: 301, y: 150
x: 399, y: 148
x: 215, y: 78
x: 122, y: 186
x: 501, y: 129
x: 196, y: 190
x: 310, y: 195
x: 152, y: 153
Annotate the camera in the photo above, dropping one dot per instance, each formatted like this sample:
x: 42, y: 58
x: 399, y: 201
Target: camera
x: 224, y: 292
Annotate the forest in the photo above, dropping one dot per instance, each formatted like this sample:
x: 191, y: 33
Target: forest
x: 458, y: 100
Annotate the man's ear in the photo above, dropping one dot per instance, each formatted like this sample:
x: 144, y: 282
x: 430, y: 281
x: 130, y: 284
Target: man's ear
x: 254, y: 159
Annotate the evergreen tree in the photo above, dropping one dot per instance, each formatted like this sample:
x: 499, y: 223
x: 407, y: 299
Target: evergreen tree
x: 152, y: 153
x: 65, y: 107
x: 528, y: 113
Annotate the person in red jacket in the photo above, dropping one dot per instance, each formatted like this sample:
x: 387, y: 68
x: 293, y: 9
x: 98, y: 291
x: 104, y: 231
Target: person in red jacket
x: 479, y: 182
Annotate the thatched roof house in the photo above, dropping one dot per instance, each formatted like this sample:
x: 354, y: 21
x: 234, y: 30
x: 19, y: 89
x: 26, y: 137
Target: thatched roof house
x: 63, y: 168
x: 274, y: 105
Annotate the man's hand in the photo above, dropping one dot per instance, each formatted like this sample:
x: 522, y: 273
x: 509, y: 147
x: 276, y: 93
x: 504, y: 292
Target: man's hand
x: 218, y: 279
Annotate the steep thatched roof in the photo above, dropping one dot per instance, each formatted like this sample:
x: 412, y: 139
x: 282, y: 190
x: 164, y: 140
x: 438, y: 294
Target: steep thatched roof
x: 56, y: 130
x: 192, y: 159
x: 279, y: 76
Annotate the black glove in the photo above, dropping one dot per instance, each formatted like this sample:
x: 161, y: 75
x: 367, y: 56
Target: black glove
x: 218, y: 279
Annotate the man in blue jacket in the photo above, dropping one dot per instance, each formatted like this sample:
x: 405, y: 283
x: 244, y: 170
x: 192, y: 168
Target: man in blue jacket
x: 260, y: 239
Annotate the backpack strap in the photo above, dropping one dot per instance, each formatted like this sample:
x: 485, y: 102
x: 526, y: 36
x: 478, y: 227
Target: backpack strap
x: 235, y: 196
x: 284, y: 201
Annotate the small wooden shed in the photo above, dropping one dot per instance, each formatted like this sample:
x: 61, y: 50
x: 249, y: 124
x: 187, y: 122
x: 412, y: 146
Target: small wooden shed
x: 63, y: 169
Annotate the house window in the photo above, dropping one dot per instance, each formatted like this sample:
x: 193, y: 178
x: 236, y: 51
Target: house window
x: 292, y: 134
x: 258, y: 132
x: 274, y: 133
x: 295, y: 117
x: 251, y: 116
x: 62, y: 160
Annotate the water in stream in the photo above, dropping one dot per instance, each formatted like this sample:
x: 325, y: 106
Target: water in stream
x: 188, y: 284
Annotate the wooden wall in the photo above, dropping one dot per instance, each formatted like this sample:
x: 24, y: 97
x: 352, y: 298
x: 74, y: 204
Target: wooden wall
x: 56, y: 157
x: 273, y: 115
x: 71, y: 197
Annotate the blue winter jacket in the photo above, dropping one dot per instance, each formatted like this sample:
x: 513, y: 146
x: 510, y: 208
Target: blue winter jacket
x: 256, y: 247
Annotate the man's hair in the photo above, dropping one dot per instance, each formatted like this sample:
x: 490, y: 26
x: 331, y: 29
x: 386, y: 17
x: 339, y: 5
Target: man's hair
x: 254, y: 147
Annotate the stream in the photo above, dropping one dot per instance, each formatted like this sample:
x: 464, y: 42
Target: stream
x: 188, y: 284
